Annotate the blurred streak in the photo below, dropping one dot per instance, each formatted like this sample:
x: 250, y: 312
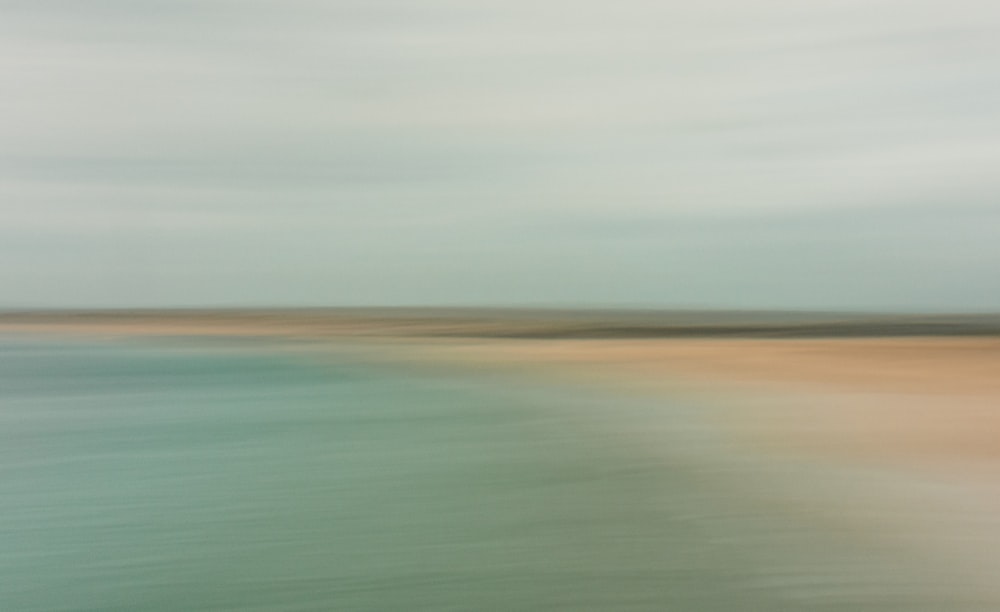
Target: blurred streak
x: 182, y: 181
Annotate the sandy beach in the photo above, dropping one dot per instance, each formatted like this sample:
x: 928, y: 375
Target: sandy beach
x: 883, y: 399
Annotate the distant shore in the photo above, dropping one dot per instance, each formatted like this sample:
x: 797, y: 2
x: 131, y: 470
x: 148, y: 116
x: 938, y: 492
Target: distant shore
x: 539, y: 324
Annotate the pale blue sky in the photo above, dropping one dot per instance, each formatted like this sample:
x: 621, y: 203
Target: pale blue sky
x: 730, y: 153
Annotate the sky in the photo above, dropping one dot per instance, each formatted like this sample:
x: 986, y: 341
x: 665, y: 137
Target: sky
x: 790, y: 154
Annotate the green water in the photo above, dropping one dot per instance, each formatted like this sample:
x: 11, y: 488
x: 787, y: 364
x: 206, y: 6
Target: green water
x: 161, y: 478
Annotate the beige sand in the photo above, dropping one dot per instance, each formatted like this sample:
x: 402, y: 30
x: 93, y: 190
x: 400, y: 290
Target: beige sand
x: 875, y: 398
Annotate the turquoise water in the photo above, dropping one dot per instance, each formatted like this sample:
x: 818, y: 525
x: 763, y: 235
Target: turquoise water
x: 157, y: 478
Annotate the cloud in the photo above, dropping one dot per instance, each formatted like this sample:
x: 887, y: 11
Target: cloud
x: 405, y: 127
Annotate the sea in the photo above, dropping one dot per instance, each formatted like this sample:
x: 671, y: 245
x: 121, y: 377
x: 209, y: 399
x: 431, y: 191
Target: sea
x: 195, y: 476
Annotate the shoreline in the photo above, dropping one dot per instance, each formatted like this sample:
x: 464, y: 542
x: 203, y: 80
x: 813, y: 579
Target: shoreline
x: 884, y: 397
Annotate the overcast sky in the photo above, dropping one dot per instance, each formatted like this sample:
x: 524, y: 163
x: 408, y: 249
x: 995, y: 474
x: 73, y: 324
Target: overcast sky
x: 727, y: 153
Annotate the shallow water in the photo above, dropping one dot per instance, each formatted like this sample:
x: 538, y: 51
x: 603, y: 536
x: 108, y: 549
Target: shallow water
x: 172, y: 478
